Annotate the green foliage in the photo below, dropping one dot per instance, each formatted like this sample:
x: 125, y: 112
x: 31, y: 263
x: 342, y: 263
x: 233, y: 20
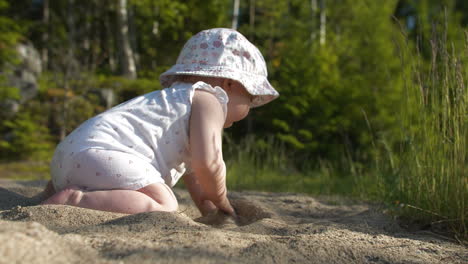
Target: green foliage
x: 10, y: 33
x: 25, y: 170
x: 426, y: 173
x: 331, y: 93
x: 26, y: 139
x: 6, y: 91
x: 434, y: 163
x: 159, y: 29
x: 263, y: 164
x: 126, y: 89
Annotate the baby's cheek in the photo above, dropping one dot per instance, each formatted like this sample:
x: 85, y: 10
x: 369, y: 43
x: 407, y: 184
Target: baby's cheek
x: 227, y: 124
x: 244, y: 112
x: 237, y: 113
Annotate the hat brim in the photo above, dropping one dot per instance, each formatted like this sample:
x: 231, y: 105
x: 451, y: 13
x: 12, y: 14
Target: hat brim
x: 255, y: 84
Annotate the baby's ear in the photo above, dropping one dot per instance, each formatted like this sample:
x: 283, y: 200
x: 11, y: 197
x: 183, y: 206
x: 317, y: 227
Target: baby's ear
x: 228, y: 84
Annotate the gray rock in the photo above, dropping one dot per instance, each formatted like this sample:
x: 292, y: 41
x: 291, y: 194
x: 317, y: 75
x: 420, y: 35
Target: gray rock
x: 26, y: 81
x: 30, y: 58
x: 23, y: 76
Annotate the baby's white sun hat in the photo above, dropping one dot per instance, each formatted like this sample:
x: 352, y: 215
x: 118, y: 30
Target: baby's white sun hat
x: 226, y: 53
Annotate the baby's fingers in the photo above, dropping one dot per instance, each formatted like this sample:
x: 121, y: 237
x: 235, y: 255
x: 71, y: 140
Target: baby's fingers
x: 207, y: 207
x: 226, y: 207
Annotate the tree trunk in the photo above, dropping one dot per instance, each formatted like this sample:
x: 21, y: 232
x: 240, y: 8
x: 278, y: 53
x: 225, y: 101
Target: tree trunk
x: 45, y: 34
x: 314, y: 28
x: 68, y: 66
x: 127, y: 61
x: 323, y: 22
x: 109, y: 40
x: 87, y: 36
x: 235, y: 15
x: 249, y: 118
x: 96, y: 40
x: 133, y: 37
x: 252, y: 19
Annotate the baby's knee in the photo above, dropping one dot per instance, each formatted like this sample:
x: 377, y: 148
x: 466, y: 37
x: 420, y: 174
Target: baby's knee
x: 163, y: 205
x: 171, y: 206
x: 170, y: 201
x: 163, y: 197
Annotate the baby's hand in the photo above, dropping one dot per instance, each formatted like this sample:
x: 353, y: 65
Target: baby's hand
x: 218, y: 219
x: 207, y: 207
x: 207, y: 203
x: 225, y: 206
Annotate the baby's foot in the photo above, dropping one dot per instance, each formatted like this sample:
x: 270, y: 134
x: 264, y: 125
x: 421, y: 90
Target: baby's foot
x: 68, y: 196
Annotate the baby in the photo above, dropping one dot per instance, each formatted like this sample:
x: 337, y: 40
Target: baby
x: 127, y: 159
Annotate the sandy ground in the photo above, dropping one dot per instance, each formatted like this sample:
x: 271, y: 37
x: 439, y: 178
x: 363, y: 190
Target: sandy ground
x: 273, y: 228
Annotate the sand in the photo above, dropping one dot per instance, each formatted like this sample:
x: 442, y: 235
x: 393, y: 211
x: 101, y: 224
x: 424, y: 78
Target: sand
x: 273, y: 228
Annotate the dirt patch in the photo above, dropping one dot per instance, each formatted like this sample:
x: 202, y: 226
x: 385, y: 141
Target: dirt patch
x: 272, y: 228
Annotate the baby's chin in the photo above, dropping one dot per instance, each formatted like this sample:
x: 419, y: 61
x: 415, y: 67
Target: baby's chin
x: 227, y: 125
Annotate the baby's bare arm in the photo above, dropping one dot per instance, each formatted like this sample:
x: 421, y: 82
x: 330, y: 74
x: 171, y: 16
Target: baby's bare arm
x: 206, y: 124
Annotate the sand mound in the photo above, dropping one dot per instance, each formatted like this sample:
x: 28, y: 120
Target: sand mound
x: 272, y: 228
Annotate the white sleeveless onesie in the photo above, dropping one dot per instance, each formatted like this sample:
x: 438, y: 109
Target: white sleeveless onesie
x: 142, y: 141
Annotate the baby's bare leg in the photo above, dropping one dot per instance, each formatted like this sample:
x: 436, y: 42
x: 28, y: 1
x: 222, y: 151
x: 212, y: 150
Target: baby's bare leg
x: 154, y: 197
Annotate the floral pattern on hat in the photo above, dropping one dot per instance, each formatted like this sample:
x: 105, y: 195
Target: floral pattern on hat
x: 225, y: 53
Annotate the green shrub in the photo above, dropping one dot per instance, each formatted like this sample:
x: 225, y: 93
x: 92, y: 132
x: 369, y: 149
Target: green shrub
x: 26, y: 139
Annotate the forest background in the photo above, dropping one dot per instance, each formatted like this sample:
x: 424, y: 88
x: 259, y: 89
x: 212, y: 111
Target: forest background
x: 373, y: 102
